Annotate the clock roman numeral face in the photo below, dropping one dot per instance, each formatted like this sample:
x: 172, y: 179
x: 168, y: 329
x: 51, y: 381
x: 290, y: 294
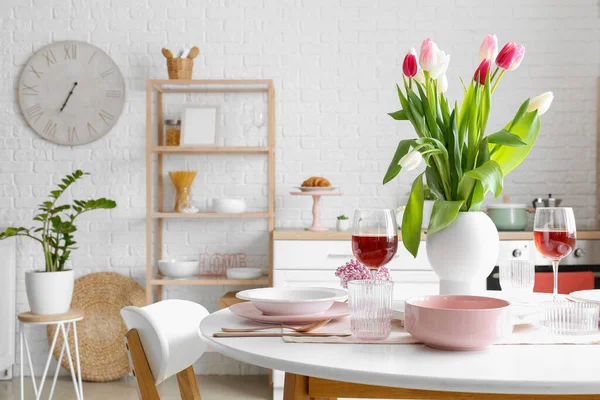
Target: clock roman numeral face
x: 71, y: 93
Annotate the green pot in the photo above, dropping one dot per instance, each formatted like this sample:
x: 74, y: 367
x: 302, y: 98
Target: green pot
x: 508, y: 217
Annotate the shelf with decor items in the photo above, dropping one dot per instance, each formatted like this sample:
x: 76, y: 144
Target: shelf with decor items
x: 156, y: 149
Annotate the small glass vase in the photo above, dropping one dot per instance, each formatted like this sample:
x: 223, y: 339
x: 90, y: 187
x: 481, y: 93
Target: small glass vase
x: 370, y: 303
x: 183, y: 199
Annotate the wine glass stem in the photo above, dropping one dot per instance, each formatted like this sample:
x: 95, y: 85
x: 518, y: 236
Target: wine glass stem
x: 555, y: 272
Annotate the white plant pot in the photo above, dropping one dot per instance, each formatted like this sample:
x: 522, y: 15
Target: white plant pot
x: 427, y: 209
x: 464, y: 253
x: 49, y: 292
x: 343, y: 225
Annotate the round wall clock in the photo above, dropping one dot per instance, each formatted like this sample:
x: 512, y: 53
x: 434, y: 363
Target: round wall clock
x: 71, y: 92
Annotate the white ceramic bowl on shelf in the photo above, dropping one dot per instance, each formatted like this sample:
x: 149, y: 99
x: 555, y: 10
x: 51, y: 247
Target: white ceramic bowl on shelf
x: 291, y: 301
x: 178, y: 268
x: 228, y: 206
x: 244, y: 273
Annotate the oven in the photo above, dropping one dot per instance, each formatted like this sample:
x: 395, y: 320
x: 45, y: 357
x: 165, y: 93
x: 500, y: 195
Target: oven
x: 581, y: 268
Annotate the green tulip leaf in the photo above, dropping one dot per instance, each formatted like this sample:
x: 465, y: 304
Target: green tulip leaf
x: 394, y: 168
x: 490, y: 176
x: 413, y: 217
x: 506, y: 138
x: 527, y: 128
x: 399, y: 115
x: 442, y: 215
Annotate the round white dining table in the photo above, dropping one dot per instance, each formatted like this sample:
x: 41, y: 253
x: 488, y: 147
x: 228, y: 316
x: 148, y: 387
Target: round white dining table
x: 501, y: 369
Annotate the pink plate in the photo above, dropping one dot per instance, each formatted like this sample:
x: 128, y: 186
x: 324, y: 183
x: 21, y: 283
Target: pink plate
x: 248, y: 311
x: 457, y: 322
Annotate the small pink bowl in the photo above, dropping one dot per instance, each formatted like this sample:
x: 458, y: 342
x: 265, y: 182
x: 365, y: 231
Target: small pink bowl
x: 457, y: 322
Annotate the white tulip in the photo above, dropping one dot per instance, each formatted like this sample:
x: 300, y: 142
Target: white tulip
x: 420, y: 77
x: 541, y: 103
x: 441, y: 65
x: 411, y: 160
x: 442, y: 84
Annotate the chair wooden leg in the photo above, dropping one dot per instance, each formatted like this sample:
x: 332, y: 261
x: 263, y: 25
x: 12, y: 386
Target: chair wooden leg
x: 295, y: 387
x: 139, y: 366
x: 188, y: 386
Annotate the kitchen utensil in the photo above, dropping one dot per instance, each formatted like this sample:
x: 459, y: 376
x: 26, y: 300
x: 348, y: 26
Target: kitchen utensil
x: 370, y: 303
x: 228, y: 205
x: 570, y: 318
x: 508, y: 217
x: 290, y: 301
x: 517, y: 276
x: 167, y: 53
x: 457, y: 322
x: 248, y: 311
x: 316, y: 189
x: 194, y: 51
x: 238, y: 335
x: 243, y: 273
x: 554, y: 235
x: 178, y: 268
x: 538, y: 202
x: 302, y: 329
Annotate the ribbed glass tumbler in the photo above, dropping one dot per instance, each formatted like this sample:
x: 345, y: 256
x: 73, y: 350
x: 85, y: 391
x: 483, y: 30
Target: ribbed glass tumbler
x: 517, y: 276
x: 370, y: 303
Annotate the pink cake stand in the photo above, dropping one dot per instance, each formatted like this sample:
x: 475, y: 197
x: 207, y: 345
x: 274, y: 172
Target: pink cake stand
x: 316, y: 210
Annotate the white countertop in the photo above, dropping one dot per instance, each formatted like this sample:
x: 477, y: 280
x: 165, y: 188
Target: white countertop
x: 519, y: 369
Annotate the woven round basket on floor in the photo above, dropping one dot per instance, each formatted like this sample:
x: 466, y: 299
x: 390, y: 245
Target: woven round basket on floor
x: 100, y: 335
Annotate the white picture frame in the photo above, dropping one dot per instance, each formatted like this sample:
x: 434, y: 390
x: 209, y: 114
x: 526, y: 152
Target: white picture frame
x: 199, y: 125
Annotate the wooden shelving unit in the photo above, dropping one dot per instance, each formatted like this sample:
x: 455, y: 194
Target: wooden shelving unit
x: 155, y: 150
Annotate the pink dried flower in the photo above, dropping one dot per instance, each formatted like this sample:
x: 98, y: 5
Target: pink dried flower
x: 354, y: 271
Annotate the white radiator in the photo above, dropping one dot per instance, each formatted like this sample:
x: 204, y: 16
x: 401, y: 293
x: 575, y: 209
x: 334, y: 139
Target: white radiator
x: 7, y: 307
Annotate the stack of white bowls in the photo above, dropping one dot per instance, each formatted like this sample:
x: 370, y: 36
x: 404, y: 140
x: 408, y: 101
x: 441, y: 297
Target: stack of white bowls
x: 228, y: 205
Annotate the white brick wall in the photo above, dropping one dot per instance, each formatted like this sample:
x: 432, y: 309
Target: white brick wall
x: 334, y: 63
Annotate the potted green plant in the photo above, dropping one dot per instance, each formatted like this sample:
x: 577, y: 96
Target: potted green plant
x: 343, y: 223
x: 463, y: 162
x: 50, y: 291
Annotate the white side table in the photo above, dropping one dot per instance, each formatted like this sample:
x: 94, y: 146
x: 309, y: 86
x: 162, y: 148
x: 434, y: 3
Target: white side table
x: 63, y: 323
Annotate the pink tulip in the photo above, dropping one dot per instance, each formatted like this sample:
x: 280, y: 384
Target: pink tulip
x: 428, y: 54
x: 489, y: 48
x: 510, y: 56
x: 482, y: 71
x: 519, y: 54
x: 410, y: 66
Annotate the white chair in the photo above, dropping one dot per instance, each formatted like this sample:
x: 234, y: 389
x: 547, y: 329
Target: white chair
x: 163, y: 339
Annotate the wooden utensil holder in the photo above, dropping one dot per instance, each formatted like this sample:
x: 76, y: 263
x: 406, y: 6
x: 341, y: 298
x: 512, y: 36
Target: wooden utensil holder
x: 180, y: 68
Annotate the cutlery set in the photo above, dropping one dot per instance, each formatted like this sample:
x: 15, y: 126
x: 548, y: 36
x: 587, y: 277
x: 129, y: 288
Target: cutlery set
x: 298, y: 331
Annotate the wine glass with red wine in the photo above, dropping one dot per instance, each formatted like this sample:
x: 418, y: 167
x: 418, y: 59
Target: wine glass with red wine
x: 374, y: 237
x: 554, y: 234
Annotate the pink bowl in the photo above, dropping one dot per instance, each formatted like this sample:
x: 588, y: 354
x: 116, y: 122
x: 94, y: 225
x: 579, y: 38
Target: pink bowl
x: 457, y: 322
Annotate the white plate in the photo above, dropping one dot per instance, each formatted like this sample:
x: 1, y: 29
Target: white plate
x: 591, y: 296
x: 316, y: 188
x: 292, y: 294
x: 292, y: 301
x: 243, y: 273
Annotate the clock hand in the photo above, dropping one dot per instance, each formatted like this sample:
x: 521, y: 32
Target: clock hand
x: 69, y: 96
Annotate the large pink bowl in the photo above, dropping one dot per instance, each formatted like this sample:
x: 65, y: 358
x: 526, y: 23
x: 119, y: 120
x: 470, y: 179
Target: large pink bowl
x: 457, y: 322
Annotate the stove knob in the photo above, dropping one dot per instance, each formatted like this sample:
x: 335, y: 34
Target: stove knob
x: 578, y: 252
x: 517, y: 253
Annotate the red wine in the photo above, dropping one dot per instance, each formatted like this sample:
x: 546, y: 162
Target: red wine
x: 554, y: 244
x: 374, y: 251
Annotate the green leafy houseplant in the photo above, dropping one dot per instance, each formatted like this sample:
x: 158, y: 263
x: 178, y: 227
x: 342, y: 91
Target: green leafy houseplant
x: 463, y: 163
x: 55, y: 234
x: 342, y: 217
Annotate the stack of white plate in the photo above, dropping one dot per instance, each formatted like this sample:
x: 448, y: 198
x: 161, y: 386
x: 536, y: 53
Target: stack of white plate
x: 228, y: 205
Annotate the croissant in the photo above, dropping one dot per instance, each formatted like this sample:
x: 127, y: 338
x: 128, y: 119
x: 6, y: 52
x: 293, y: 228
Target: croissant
x: 316, y: 181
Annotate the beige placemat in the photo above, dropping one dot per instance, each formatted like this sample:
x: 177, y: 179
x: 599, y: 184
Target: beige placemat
x: 522, y: 334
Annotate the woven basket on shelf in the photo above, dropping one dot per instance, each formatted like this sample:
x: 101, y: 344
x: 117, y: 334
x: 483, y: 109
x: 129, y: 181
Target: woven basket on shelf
x: 180, y: 68
x: 100, y: 334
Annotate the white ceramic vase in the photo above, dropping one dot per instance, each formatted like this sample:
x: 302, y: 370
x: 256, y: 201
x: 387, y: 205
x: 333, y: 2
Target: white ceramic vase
x: 49, y: 292
x: 343, y: 225
x: 464, y: 253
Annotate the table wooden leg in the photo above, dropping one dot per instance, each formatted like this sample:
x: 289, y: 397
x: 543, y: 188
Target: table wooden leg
x: 295, y: 387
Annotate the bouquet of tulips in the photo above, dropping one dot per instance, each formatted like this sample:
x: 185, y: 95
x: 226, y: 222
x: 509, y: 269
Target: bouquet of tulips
x: 462, y: 162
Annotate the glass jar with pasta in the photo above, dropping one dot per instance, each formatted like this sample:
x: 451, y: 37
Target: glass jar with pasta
x: 172, y: 132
